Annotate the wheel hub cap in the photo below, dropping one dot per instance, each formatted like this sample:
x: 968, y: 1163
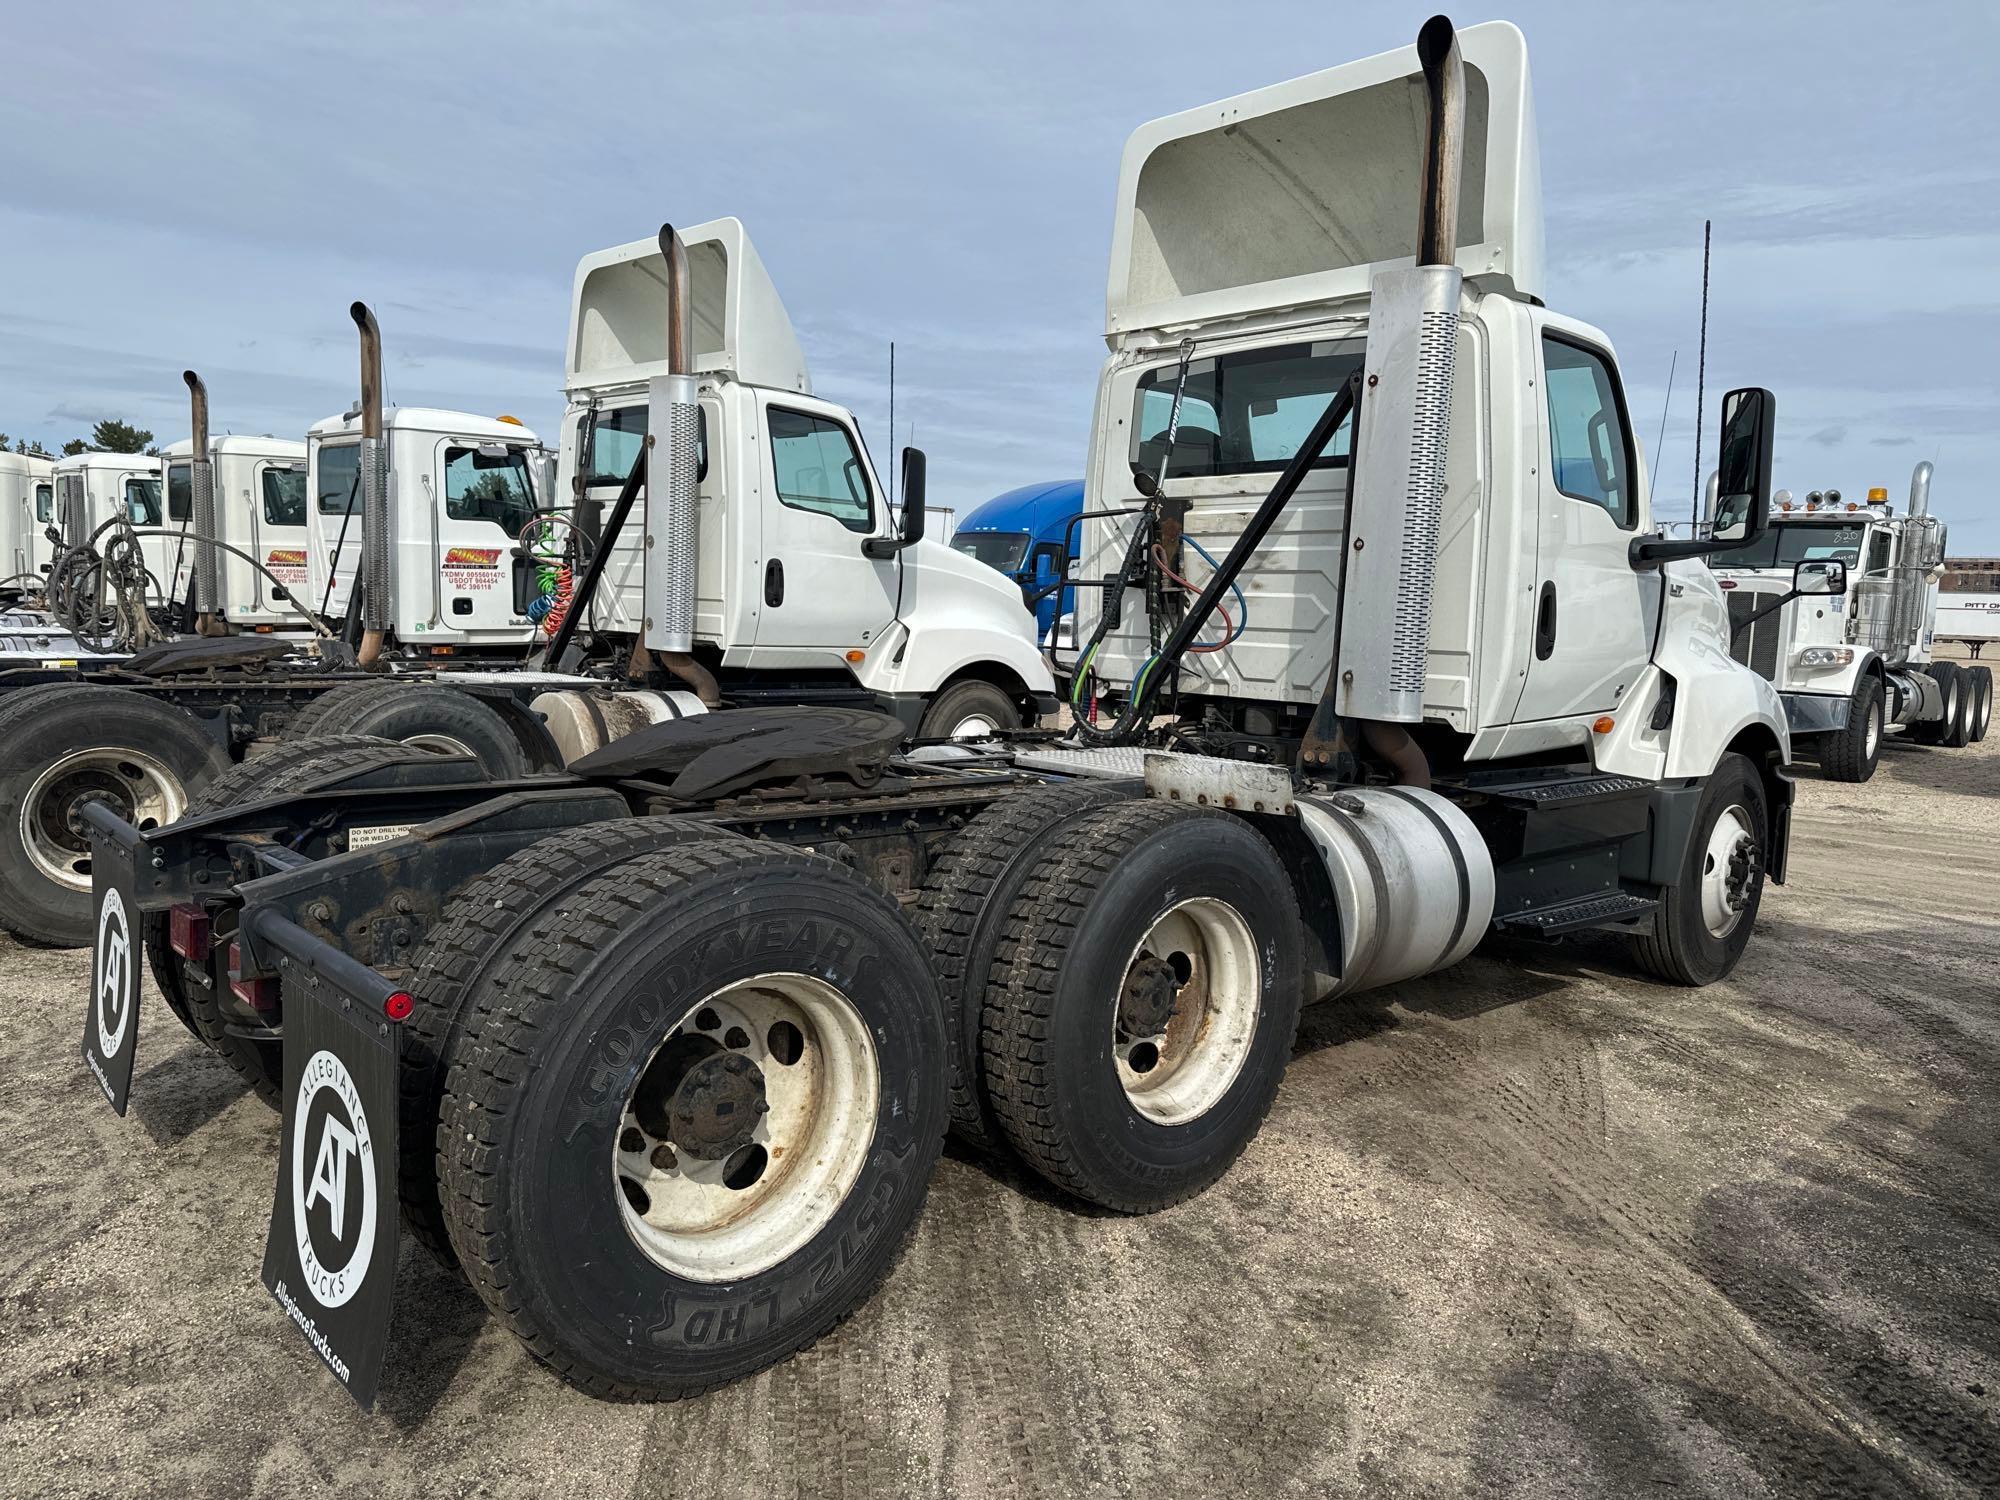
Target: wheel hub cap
x: 716, y: 1107
x: 1147, y: 1002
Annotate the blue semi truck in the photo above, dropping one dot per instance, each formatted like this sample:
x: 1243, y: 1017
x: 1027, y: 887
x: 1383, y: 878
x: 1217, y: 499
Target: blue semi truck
x: 1023, y: 534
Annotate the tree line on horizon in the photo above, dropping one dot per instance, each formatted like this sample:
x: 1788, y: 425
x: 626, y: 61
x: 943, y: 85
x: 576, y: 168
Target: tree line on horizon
x: 107, y: 436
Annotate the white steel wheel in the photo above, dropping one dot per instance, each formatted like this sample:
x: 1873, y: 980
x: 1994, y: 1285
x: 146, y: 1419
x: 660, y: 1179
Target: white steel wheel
x: 1728, y: 870
x: 974, y: 727
x: 747, y: 1128
x: 1874, y: 733
x: 1187, y: 1011
x: 140, y: 788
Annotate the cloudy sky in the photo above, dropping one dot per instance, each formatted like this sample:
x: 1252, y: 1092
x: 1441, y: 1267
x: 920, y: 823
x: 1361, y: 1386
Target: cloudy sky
x: 210, y: 186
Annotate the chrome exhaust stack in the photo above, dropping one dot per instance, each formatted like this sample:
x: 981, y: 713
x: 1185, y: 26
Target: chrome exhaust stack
x: 1920, y: 489
x: 372, y: 577
x: 673, y: 500
x: 205, y: 577
x: 1397, y: 479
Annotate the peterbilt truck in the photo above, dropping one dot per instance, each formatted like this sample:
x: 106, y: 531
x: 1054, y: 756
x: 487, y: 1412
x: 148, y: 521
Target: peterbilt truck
x: 651, y: 1051
x: 1852, y: 669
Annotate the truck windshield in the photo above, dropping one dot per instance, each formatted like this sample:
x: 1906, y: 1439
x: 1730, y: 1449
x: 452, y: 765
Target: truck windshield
x: 285, y: 496
x: 616, y: 436
x: 142, y: 501
x: 1005, y: 550
x: 339, y: 478
x: 1243, y: 413
x: 483, y: 485
x: 1786, y: 546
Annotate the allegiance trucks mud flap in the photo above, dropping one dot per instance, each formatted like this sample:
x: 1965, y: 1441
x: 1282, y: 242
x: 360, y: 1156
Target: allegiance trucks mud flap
x: 330, y: 1256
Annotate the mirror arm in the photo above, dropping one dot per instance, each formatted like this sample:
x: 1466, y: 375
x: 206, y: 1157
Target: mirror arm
x: 1647, y: 550
x: 1757, y: 614
x: 879, y: 547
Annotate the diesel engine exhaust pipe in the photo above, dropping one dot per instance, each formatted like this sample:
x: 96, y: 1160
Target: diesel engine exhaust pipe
x: 1920, y: 489
x: 204, y: 583
x: 673, y: 501
x: 1396, y: 481
x: 372, y: 577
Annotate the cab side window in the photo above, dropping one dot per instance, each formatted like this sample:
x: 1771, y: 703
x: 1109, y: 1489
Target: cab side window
x: 818, y: 469
x: 1878, y: 553
x: 1590, y: 447
x: 489, y: 483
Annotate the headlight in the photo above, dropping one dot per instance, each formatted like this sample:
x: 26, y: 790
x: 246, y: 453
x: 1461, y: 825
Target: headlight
x: 1826, y: 656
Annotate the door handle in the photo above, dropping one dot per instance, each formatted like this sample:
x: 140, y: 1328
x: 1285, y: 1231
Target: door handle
x: 774, y: 583
x: 1545, y: 622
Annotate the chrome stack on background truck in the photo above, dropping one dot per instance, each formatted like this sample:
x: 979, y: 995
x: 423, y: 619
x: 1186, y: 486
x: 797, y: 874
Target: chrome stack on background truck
x: 660, y: 1050
x: 1853, y: 663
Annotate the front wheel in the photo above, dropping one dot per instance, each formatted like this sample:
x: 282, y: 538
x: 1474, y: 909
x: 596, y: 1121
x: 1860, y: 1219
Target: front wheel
x: 1705, y: 917
x: 969, y: 710
x: 1850, y: 754
x: 685, y: 1131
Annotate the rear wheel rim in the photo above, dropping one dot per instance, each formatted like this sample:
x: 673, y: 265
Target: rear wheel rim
x: 139, y: 787
x: 1729, y: 871
x: 444, y: 744
x: 716, y: 1194
x: 1186, y: 1012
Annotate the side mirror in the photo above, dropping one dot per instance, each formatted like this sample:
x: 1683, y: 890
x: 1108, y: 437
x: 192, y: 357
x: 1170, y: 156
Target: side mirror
x: 1740, y: 491
x: 910, y: 528
x: 1822, y: 576
x: 1743, y: 475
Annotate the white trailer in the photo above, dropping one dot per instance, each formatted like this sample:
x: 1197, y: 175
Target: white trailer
x: 650, y: 1050
x: 1837, y: 606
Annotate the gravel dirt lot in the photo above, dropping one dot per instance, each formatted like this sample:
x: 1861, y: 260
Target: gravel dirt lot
x: 1532, y: 1227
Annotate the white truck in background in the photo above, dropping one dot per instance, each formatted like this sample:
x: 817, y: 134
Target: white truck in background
x: 27, y: 504
x: 1853, y: 665
x: 805, y: 586
x: 247, y: 494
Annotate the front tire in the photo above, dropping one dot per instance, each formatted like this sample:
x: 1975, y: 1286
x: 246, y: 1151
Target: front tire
x: 1706, y: 916
x: 1155, y: 971
x: 968, y: 710
x: 603, y: 1202
x: 1851, y: 754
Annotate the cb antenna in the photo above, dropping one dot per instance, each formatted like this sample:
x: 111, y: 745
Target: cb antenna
x: 894, y: 462
x: 1701, y: 376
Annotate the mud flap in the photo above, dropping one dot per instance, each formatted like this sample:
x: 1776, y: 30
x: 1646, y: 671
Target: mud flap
x: 330, y: 1260
x: 111, y: 1028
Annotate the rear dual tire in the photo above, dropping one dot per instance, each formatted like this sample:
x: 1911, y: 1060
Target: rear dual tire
x: 593, y: 1190
x: 1143, y: 1003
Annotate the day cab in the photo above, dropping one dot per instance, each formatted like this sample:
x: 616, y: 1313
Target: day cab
x: 810, y: 587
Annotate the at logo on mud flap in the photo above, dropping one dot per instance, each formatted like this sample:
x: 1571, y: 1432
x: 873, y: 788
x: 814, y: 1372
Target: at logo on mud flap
x: 335, y: 1191
x: 116, y: 978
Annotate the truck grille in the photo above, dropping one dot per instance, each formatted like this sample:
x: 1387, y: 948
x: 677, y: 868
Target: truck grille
x: 1756, y: 647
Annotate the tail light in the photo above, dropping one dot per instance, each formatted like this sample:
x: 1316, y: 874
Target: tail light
x: 188, y: 933
x: 258, y: 994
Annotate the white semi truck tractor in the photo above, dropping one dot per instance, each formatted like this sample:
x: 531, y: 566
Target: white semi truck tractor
x: 1854, y: 666
x: 236, y: 505
x: 652, y: 1050
x: 27, y: 504
x: 789, y: 577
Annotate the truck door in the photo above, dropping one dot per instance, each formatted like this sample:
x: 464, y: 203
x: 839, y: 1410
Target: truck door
x: 817, y: 590
x: 336, y: 505
x: 488, y: 495
x: 1593, y: 615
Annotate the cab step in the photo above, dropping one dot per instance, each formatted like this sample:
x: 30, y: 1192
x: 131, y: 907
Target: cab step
x: 1618, y: 909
